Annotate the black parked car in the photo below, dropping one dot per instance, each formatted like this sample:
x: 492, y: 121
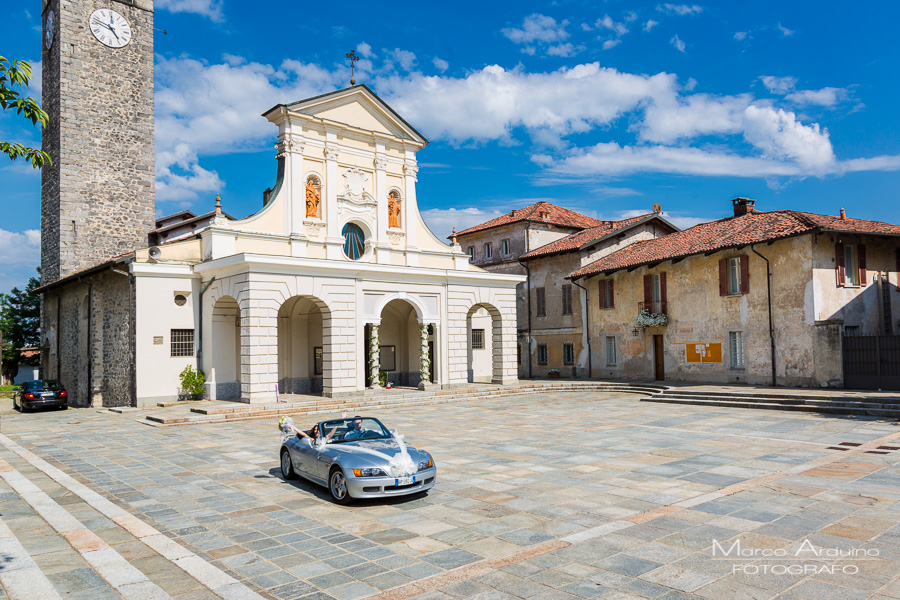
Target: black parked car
x: 41, y: 393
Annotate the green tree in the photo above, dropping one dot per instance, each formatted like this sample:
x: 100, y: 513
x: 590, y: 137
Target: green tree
x: 20, y: 322
x: 18, y: 73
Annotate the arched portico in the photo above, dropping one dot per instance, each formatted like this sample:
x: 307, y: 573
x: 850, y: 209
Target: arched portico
x: 225, y: 349
x: 400, y: 344
x: 484, y: 331
x: 304, y: 345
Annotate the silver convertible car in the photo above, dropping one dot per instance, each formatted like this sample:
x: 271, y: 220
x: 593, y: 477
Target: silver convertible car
x: 358, y: 457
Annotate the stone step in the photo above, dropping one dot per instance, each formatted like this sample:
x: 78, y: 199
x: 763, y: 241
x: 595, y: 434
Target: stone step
x: 786, y: 394
x: 787, y: 400
x: 818, y: 408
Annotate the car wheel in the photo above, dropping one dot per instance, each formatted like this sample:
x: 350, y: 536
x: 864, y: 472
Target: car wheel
x: 287, y: 468
x: 337, y: 485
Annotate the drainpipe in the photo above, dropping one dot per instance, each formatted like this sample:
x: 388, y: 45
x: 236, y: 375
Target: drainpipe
x: 587, y: 313
x: 200, y: 325
x: 769, y: 301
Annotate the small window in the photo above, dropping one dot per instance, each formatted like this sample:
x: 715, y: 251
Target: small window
x: 478, y: 339
x: 542, y: 354
x: 318, y: 360
x: 488, y: 251
x: 471, y: 252
x: 540, y: 302
x: 504, y: 247
x: 851, y: 265
x: 734, y: 275
x: 851, y: 330
x: 568, y: 354
x: 180, y: 300
x: 354, y: 241
x: 656, y: 297
x: 607, y: 299
x: 611, y: 350
x: 567, y: 300
x: 182, y: 341
x: 736, y: 345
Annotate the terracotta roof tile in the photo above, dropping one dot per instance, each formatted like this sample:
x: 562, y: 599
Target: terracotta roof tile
x: 752, y: 228
x: 578, y: 239
x: 541, y: 212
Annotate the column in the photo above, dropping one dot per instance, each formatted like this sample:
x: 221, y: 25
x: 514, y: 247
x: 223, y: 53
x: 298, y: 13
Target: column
x: 381, y: 218
x: 332, y: 183
x: 424, y: 359
x: 409, y: 212
x: 374, y: 358
x: 259, y: 349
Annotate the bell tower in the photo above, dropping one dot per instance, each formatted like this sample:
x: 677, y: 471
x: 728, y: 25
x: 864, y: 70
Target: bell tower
x: 97, y: 200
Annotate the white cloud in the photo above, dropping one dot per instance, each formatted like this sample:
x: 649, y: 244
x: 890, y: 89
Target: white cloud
x: 564, y: 50
x: 669, y: 118
x: 785, y: 31
x: 180, y: 177
x: 607, y: 23
x: 680, y: 9
x: 442, y: 221
x: 538, y: 28
x: 611, y: 43
x: 780, y: 136
x: 404, y: 58
x: 828, y: 96
x: 740, y: 35
x: 678, y: 43
x: 778, y: 85
x: 212, y: 9
x: 650, y: 24
x: 364, y: 50
x: 440, y: 64
x: 20, y: 254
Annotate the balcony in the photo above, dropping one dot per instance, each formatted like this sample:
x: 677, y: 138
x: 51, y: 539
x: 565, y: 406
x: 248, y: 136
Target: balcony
x: 652, y: 314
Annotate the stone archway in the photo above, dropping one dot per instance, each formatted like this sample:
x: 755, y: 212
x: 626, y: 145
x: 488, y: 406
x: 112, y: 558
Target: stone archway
x: 484, y: 359
x: 304, y: 345
x: 225, y: 349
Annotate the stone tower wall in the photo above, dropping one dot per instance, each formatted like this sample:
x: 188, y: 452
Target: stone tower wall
x: 97, y: 200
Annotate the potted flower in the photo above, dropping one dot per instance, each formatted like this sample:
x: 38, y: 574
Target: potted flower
x: 192, y: 384
x: 649, y: 319
x: 553, y: 373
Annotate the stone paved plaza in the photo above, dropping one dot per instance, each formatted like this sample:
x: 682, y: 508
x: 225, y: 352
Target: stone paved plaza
x: 558, y: 496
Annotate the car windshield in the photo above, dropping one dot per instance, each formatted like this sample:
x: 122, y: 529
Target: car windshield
x: 46, y: 384
x: 353, y: 429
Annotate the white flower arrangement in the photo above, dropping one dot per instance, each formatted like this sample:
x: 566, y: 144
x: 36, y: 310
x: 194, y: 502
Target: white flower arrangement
x: 424, y: 361
x: 648, y: 319
x: 374, y: 355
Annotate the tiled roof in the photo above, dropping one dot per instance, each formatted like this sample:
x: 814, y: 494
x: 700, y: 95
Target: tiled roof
x: 578, y: 239
x: 752, y: 228
x: 541, y: 212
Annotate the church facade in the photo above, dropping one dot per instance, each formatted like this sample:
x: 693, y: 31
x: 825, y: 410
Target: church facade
x: 336, y: 285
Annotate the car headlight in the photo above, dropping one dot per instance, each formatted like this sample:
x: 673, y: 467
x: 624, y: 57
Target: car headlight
x: 370, y: 472
x: 426, y: 464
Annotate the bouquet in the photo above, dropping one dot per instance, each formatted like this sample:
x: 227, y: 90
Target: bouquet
x: 285, y: 426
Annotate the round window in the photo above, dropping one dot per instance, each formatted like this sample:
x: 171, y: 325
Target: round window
x: 354, y: 241
x: 180, y: 300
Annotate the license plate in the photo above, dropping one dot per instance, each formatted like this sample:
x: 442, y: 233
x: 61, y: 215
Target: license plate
x: 47, y: 394
x: 405, y: 480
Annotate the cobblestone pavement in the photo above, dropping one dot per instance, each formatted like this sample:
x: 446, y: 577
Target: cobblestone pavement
x: 558, y: 496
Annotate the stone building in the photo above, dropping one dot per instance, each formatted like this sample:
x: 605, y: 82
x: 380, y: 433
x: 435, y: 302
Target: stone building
x: 334, y: 285
x: 740, y: 294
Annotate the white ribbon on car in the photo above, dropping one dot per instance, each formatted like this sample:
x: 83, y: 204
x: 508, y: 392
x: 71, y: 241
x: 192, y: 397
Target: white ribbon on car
x: 399, y: 465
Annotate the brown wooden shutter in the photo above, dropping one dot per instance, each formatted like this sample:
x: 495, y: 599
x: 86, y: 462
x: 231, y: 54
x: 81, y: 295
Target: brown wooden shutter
x: 612, y: 296
x: 662, y: 293
x: 601, y: 299
x: 745, y: 274
x: 839, y: 263
x: 723, y: 277
x: 861, y: 260
x: 648, y: 292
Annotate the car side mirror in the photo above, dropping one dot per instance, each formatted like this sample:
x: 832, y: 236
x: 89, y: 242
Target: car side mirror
x: 306, y: 442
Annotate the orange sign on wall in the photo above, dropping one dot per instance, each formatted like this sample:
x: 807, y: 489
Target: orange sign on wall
x: 703, y: 352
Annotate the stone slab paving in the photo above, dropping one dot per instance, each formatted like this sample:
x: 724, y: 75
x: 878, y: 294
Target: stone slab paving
x: 550, y: 496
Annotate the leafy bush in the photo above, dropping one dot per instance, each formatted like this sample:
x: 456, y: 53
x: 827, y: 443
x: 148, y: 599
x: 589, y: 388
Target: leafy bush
x: 382, y: 379
x: 192, y: 381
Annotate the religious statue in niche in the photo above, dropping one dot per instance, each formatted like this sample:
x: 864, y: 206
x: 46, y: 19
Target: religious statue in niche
x: 312, y: 198
x: 394, y: 209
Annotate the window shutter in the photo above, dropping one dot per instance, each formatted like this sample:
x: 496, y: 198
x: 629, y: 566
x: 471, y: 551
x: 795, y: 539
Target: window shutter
x: 612, y: 296
x: 839, y: 262
x: 861, y: 259
x: 601, y: 299
x: 648, y: 291
x: 723, y: 277
x: 662, y: 293
x: 745, y: 274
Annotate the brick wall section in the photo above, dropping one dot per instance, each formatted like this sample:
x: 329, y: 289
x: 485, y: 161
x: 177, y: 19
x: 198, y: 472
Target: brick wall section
x: 97, y: 200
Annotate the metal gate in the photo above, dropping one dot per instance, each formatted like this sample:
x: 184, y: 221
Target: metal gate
x: 872, y: 362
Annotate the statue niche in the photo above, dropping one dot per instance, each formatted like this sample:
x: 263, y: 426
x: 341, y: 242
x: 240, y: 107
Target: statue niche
x: 394, y: 209
x: 312, y: 198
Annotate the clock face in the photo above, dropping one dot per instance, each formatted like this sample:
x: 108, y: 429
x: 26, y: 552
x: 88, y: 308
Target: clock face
x: 110, y: 28
x: 48, y: 29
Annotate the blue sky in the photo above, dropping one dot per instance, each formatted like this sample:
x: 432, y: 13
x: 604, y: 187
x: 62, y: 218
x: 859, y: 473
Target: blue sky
x: 602, y: 107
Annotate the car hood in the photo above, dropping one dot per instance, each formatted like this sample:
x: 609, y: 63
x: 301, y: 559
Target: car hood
x: 358, y: 451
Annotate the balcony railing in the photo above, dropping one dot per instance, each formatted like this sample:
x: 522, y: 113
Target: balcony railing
x: 655, y: 307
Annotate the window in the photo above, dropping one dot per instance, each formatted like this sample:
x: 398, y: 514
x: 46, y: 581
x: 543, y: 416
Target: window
x: 736, y: 345
x: 568, y: 354
x: 488, y: 252
x: 734, y: 276
x: 606, y: 294
x: 471, y: 252
x: 655, y: 293
x: 478, y: 339
x: 354, y: 241
x: 567, y: 300
x: 540, y: 302
x: 851, y: 330
x: 318, y: 360
x: 851, y: 264
x: 542, y: 354
x: 182, y: 341
x: 611, y: 350
x: 504, y: 247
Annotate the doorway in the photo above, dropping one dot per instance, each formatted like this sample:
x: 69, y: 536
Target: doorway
x: 659, y: 360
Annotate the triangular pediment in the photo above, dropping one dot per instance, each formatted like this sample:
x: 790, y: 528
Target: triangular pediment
x: 358, y: 107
